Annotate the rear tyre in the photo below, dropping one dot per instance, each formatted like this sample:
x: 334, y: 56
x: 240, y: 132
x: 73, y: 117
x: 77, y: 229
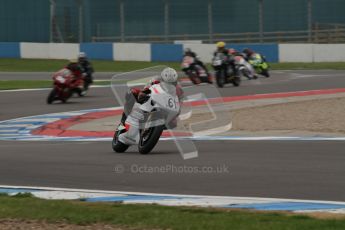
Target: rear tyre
x: 194, y: 79
x: 237, y: 81
x: 51, y: 96
x: 117, y: 145
x: 149, y: 138
x: 265, y: 73
x: 220, y: 79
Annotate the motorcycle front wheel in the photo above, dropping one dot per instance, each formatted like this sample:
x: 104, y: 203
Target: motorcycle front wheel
x: 220, y: 79
x: 117, y: 145
x: 149, y: 138
x: 51, y: 96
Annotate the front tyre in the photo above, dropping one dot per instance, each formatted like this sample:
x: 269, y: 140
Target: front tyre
x: 117, y: 145
x: 149, y: 138
x: 51, y: 96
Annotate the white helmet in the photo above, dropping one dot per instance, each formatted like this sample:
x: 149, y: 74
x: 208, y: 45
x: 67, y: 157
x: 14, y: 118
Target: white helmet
x: 82, y: 55
x: 169, y: 75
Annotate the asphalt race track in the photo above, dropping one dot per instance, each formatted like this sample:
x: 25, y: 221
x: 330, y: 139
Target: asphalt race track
x: 279, y: 169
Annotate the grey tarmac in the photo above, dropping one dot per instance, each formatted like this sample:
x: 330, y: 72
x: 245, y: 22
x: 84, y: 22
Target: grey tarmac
x: 280, y: 169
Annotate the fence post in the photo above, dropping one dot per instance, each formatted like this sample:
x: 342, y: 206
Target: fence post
x: 261, y: 20
x: 51, y: 22
x: 166, y: 20
x: 122, y: 21
x: 80, y: 20
x: 310, y: 21
x: 210, y: 20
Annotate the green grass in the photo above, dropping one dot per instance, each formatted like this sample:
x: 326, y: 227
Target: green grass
x: 311, y: 66
x: 154, y: 216
x: 32, y: 84
x: 42, y: 65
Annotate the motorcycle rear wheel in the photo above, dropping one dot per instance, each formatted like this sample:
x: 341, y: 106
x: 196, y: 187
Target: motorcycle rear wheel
x: 193, y: 78
x: 265, y: 73
x: 149, y: 138
x: 236, y: 81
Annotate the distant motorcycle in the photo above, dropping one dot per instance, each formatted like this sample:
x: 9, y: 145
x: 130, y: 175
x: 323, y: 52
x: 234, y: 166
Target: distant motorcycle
x: 65, y: 85
x: 196, y: 73
x: 148, y: 120
x: 260, y: 65
x: 244, y: 68
x: 224, y: 73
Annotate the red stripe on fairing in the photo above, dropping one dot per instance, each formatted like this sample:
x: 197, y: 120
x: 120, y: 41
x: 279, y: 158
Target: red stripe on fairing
x: 156, y: 90
x: 127, y: 126
x: 59, y: 128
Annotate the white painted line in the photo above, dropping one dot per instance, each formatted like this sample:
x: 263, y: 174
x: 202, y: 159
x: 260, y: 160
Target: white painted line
x: 239, y: 198
x: 24, y: 90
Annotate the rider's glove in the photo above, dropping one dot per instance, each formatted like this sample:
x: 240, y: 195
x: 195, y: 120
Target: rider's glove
x: 142, y: 97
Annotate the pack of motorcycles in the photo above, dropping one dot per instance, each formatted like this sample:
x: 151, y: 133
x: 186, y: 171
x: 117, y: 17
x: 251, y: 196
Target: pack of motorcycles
x: 64, y: 84
x: 162, y: 107
x: 226, y: 71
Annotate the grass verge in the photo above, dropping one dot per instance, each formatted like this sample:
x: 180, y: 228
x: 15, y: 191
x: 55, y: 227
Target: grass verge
x: 43, y: 65
x: 25, y: 207
x: 51, y: 65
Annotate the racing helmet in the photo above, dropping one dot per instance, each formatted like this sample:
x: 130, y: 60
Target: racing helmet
x: 82, y: 56
x: 187, y: 50
x: 220, y: 44
x: 169, y: 75
x: 248, y: 51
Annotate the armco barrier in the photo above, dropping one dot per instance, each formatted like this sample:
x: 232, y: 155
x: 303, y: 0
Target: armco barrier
x: 166, y: 52
x: 49, y: 50
x: 296, y: 53
x: 100, y: 51
x: 329, y: 52
x: 9, y: 50
x: 311, y: 52
x: 169, y: 52
x: 34, y: 50
x: 132, y: 52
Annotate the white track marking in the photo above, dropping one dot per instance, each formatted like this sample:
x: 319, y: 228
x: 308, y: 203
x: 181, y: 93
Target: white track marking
x: 171, y: 199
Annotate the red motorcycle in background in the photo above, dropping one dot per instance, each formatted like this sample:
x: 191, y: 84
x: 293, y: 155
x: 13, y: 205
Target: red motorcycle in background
x: 196, y: 73
x: 65, y: 85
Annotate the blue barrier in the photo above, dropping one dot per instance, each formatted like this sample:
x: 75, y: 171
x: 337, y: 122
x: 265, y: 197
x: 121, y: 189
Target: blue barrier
x: 159, y: 52
x: 166, y: 52
x: 102, y: 51
x: 270, y: 51
x: 9, y: 50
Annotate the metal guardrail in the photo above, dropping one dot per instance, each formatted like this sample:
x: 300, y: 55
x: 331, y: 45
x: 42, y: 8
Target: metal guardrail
x: 333, y: 35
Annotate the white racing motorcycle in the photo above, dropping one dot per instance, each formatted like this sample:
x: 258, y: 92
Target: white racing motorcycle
x: 146, y: 122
